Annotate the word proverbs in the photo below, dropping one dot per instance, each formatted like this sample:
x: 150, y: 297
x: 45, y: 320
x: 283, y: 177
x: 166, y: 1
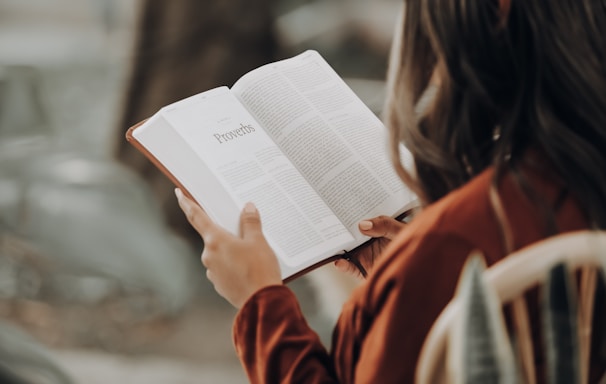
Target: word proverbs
x: 231, y: 135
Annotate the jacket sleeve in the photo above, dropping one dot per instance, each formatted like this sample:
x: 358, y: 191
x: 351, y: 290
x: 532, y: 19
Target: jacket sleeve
x: 397, y: 309
x: 274, y: 342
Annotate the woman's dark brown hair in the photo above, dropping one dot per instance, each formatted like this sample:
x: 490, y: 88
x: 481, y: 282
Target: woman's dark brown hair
x: 513, y: 75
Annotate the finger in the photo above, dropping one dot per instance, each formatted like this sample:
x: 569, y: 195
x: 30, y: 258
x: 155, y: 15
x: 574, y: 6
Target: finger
x: 209, y: 276
x: 195, y: 215
x: 346, y: 267
x: 381, y: 226
x: 250, y: 222
x: 205, y: 258
x: 343, y: 265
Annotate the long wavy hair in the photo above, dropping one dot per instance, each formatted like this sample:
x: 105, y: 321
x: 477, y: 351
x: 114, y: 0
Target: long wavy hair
x: 511, y: 75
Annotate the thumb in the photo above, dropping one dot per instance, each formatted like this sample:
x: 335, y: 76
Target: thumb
x: 250, y: 221
x: 381, y: 226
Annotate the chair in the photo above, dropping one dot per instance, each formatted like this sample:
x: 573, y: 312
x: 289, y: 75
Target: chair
x: 583, y: 252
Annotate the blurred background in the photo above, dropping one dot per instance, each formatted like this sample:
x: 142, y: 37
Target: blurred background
x: 100, y: 279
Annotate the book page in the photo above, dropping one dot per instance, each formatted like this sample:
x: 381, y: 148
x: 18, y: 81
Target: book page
x: 158, y: 137
x: 335, y: 141
x: 297, y: 223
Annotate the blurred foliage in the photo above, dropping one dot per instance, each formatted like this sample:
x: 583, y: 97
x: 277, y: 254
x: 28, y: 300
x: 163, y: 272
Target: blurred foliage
x: 24, y: 361
x: 479, y: 346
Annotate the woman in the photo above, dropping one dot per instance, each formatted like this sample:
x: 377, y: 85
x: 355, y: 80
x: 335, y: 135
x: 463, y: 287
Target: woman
x: 510, y: 151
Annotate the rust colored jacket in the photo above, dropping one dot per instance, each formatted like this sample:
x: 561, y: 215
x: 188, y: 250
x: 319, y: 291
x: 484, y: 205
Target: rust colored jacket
x: 382, y: 327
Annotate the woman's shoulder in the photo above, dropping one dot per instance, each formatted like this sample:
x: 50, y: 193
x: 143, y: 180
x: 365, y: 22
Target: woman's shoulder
x: 464, y: 215
x: 443, y: 235
x: 434, y: 245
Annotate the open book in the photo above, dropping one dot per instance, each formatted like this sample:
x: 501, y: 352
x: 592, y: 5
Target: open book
x: 295, y: 140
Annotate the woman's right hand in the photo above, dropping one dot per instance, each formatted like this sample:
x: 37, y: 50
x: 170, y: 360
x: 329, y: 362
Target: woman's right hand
x: 382, y: 229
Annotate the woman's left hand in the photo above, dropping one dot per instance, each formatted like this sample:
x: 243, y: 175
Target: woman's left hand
x: 238, y: 266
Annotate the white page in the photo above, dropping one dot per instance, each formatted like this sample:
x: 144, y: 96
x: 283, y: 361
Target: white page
x: 158, y: 137
x: 251, y: 168
x: 336, y: 142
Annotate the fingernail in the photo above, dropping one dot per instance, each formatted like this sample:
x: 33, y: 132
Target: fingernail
x: 178, y: 193
x: 182, y: 200
x: 365, y: 225
x: 250, y: 208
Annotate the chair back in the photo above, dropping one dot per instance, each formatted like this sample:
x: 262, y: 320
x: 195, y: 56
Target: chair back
x: 581, y: 252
